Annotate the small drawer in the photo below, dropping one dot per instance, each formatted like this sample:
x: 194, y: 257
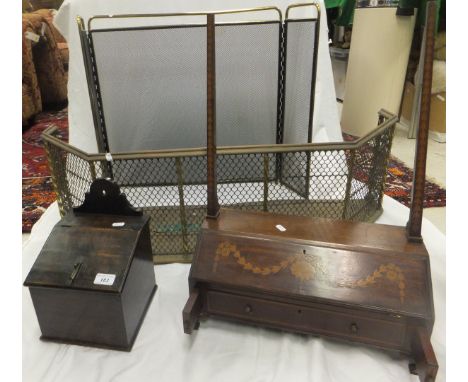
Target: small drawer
x: 378, y: 332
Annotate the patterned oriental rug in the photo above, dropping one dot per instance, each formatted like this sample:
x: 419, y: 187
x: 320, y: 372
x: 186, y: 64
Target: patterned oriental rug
x: 38, y: 193
x: 399, y: 183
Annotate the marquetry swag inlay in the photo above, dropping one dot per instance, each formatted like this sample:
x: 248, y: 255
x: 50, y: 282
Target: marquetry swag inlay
x: 306, y: 267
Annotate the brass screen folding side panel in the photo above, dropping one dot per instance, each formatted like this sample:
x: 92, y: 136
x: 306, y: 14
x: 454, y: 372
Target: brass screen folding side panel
x: 299, y: 88
x: 299, y: 81
x: 247, y: 70
x: 247, y: 61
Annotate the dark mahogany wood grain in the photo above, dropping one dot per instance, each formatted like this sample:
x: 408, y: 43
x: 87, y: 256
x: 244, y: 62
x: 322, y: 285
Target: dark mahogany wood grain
x: 69, y: 306
x: 357, y: 282
x: 338, y: 233
x: 213, y: 205
x: 325, y: 273
x: 425, y: 360
x: 419, y: 176
x: 92, y: 241
x: 79, y: 316
x: 192, y: 311
x: 301, y: 318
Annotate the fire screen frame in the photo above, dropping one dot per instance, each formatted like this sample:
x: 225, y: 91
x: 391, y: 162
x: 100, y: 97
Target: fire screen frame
x: 334, y: 180
x: 96, y: 97
x: 348, y: 183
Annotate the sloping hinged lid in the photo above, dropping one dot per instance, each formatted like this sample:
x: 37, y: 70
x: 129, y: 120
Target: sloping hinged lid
x: 81, y: 246
x: 315, y: 260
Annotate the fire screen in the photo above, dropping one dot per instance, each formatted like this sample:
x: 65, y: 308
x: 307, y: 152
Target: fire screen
x: 147, y: 86
x: 148, y: 91
x: 346, y: 182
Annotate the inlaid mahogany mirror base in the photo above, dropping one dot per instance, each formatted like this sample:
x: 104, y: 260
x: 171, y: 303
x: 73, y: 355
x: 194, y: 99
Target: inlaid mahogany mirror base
x: 358, y: 282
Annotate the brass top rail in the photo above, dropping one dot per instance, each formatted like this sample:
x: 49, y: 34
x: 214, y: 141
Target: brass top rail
x: 175, y: 14
x: 300, y: 5
x: 200, y: 13
x: 391, y: 119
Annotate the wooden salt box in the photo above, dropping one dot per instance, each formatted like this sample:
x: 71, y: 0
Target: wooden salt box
x: 358, y: 282
x: 94, y: 278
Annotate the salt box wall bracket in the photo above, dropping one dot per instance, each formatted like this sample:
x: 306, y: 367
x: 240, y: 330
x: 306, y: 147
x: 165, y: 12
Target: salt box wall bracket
x: 104, y: 197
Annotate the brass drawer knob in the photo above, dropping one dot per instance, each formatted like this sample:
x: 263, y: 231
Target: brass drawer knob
x: 354, y: 328
x: 248, y: 309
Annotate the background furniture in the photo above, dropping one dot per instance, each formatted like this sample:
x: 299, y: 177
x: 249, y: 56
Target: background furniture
x: 44, y: 64
x: 32, y: 101
x: 378, y: 57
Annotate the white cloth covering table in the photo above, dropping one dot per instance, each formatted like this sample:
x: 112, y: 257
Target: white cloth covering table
x: 220, y: 350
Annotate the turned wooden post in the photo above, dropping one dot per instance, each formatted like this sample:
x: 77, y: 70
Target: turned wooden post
x: 419, y: 177
x: 213, y: 205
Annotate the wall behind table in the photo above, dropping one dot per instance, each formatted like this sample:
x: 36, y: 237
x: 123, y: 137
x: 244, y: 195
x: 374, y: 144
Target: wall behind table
x: 378, y: 57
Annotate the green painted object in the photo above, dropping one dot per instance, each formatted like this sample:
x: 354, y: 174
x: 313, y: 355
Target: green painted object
x: 334, y: 3
x: 347, y: 10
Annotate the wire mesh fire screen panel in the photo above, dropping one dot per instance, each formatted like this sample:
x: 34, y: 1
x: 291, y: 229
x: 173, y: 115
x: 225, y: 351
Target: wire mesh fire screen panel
x: 346, y: 182
x: 148, y: 87
x: 299, y: 69
x: 152, y: 84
